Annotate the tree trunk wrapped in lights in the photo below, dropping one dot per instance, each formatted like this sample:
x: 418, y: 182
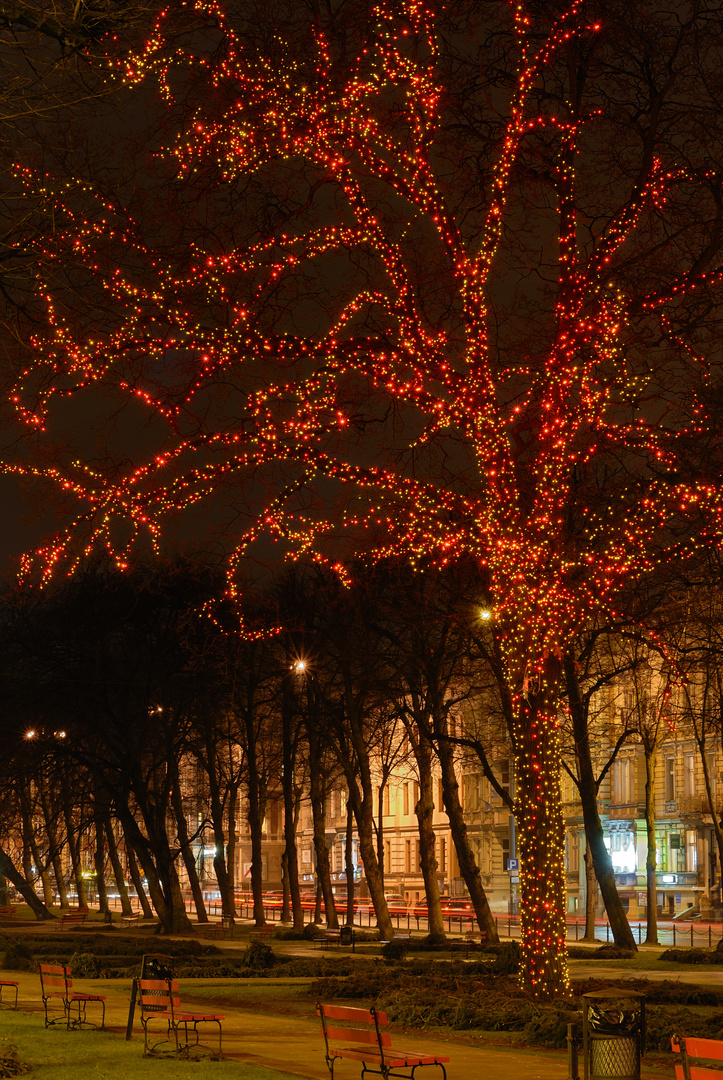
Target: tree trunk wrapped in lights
x: 431, y: 278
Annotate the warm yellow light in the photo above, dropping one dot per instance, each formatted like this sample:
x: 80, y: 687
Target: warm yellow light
x: 485, y: 615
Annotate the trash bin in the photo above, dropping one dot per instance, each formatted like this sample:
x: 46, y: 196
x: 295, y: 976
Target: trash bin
x: 613, y: 1034
x: 346, y: 935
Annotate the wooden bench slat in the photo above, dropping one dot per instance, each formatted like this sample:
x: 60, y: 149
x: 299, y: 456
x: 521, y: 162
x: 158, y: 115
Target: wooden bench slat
x: 350, y: 1012
x: 705, y: 1048
x: 697, y: 1073
x: 355, y: 1035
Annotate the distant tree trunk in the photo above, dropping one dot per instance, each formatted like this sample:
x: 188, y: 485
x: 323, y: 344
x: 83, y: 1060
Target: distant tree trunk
x: 458, y: 827
x: 126, y: 906
x: 590, y: 895
x: 256, y: 795
x: 217, y: 808
x: 317, y: 794
x: 26, y: 832
x: 138, y: 881
x: 186, y: 846
x: 424, y: 810
x: 651, y: 937
x: 73, y: 845
x: 99, y: 864
x: 53, y: 845
x: 364, y: 814
x: 159, y: 868
x: 380, y: 830
x: 289, y: 742
x: 231, y: 849
x: 588, y: 789
x: 349, y: 863
x: 30, y: 846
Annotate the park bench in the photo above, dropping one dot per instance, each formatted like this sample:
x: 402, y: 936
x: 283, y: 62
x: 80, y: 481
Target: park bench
x: 160, y: 1002
x: 73, y: 920
x: 56, y: 982
x: 222, y: 929
x: 4, y: 983
x: 472, y: 941
x: 366, y: 1030
x: 404, y: 936
x: 260, y: 933
x: 703, y: 1049
x: 344, y: 936
x: 131, y: 920
x: 7, y: 911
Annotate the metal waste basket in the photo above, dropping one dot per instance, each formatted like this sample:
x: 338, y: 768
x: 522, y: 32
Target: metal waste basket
x: 613, y: 1034
x: 347, y: 936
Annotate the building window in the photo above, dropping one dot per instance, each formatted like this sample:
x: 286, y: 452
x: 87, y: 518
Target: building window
x: 669, y: 767
x: 504, y: 771
x: 623, y: 854
x: 471, y: 789
x: 407, y: 856
x: 442, y: 855
x: 387, y: 854
x: 415, y: 793
x: 691, y: 850
x: 387, y: 801
x: 710, y: 761
x: 440, y: 794
x: 624, y: 787
x: 688, y: 774
x: 505, y: 851
x: 572, y: 853
x: 405, y: 800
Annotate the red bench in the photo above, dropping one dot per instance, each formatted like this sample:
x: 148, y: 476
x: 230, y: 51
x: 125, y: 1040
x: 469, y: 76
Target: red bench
x: 73, y: 920
x: 372, y: 1043
x: 7, y: 911
x: 160, y: 1001
x: 707, y: 1049
x: 261, y: 933
x: 56, y: 982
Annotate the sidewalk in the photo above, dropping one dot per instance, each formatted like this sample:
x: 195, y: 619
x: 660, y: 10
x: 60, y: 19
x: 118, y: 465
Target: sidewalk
x: 294, y: 1045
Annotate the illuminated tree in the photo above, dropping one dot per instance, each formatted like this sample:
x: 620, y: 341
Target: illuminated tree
x: 407, y: 277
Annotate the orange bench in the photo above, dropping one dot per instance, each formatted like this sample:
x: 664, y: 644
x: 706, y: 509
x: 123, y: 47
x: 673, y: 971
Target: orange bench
x: 7, y: 911
x: 56, y: 982
x: 372, y: 1043
x: 707, y: 1049
x: 73, y: 919
x: 160, y: 1001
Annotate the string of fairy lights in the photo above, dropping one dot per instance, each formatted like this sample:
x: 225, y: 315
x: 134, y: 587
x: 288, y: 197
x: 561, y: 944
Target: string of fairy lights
x: 364, y: 122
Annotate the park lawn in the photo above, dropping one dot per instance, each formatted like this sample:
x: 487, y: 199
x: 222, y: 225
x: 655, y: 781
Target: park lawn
x: 641, y: 963
x: 282, y: 997
x: 59, y: 1054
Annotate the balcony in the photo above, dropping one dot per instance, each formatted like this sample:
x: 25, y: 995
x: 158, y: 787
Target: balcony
x: 626, y: 811
x: 693, y: 804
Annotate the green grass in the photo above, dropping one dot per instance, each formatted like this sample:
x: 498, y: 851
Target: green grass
x: 277, y: 996
x: 59, y: 1054
x: 642, y: 962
